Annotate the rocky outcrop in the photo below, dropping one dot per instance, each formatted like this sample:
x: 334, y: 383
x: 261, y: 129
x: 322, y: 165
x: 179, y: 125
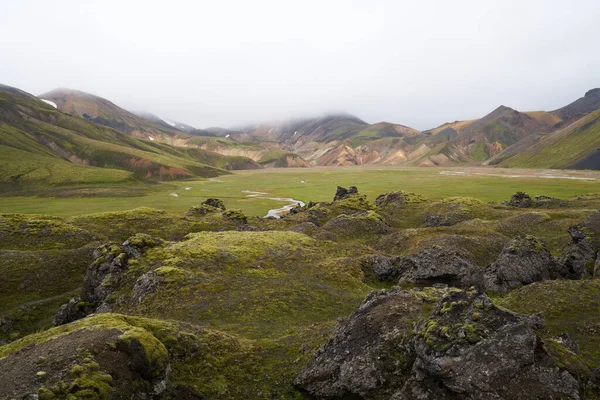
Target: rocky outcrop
x: 343, y: 193
x: 439, y: 265
x: 470, y: 349
x: 523, y: 200
x: 102, y: 276
x: 524, y: 260
x: 466, y: 349
x: 447, y: 219
x: 207, y: 206
x: 578, y: 260
x: 386, y: 269
x: 370, y: 354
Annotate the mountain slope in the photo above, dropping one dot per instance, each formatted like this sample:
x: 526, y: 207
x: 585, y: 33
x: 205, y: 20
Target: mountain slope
x: 580, y: 107
x: 483, y: 138
x: 43, y: 146
x: 575, y: 146
x: 103, y: 112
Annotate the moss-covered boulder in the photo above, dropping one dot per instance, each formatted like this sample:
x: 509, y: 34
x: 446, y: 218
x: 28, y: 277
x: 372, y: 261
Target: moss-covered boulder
x: 437, y: 265
x: 473, y: 349
x: 369, y: 356
x: 524, y: 260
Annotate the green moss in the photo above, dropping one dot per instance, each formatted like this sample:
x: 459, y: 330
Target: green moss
x: 567, y: 307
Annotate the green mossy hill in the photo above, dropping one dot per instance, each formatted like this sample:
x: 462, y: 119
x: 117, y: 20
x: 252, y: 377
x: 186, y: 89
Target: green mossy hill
x: 453, y: 210
x: 120, y: 225
x: 41, y: 147
x: 365, y: 226
x: 568, y: 307
x: 260, y: 284
x: 33, y: 284
x: 476, y: 242
x: 113, y: 356
x: 40, y: 232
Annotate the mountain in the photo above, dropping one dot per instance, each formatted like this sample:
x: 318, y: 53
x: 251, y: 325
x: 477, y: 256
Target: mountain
x: 575, y: 146
x: 165, y: 122
x: 482, y: 138
x: 580, y: 107
x: 330, y: 140
x: 42, y: 146
x: 104, y: 112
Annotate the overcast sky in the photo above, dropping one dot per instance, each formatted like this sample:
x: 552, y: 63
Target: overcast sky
x: 223, y: 63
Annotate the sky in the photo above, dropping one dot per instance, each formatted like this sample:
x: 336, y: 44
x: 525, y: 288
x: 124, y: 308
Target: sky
x: 229, y: 63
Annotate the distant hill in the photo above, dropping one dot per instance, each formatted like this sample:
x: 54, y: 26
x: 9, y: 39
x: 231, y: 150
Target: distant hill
x: 165, y: 122
x: 580, y: 107
x: 575, y: 146
x: 104, y: 112
x: 42, y: 146
x: 344, y: 139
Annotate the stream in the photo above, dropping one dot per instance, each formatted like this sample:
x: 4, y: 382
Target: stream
x: 276, y: 212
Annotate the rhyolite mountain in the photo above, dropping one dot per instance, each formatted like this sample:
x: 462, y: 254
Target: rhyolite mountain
x: 342, y: 139
x: 41, y: 146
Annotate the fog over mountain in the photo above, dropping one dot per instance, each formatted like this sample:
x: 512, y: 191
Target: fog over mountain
x: 231, y: 63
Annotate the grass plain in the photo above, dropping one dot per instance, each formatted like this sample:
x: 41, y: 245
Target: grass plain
x: 312, y: 184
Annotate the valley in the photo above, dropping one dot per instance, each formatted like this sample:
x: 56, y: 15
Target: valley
x: 142, y: 258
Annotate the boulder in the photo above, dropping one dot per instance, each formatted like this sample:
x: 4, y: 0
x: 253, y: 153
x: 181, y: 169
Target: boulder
x: 386, y: 269
x: 393, y: 348
x: 524, y: 260
x: 523, y: 200
x: 519, y: 199
x: 343, y: 193
x: 439, y: 265
x: 578, y: 260
x: 471, y: 349
x: 370, y: 354
x: 102, y: 276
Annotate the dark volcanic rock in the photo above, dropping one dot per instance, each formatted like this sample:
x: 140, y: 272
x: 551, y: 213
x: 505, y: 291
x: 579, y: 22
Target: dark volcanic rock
x: 439, y: 265
x: 578, y: 260
x: 208, y: 206
x: 102, y: 276
x: 470, y: 349
x: 447, y: 219
x: 370, y: 354
x: 392, y: 199
x: 217, y: 203
x: 343, y: 193
x: 385, y: 268
x: 467, y: 349
x: 523, y: 200
x: 524, y: 260
x: 519, y: 199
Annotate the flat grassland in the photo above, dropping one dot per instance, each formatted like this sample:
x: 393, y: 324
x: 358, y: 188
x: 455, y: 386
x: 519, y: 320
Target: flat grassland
x: 308, y: 184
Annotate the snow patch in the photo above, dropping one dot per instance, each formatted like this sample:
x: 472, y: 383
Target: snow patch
x: 150, y: 137
x: 53, y: 104
x: 173, y: 124
x: 226, y: 136
x: 187, y: 188
x: 295, y: 133
x: 173, y: 194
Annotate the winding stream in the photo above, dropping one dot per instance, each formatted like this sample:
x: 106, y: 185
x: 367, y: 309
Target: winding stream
x: 276, y: 212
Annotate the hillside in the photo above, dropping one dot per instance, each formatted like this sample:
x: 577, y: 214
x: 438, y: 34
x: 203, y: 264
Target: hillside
x: 42, y: 146
x: 103, y: 112
x: 575, y: 146
x: 482, y: 138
